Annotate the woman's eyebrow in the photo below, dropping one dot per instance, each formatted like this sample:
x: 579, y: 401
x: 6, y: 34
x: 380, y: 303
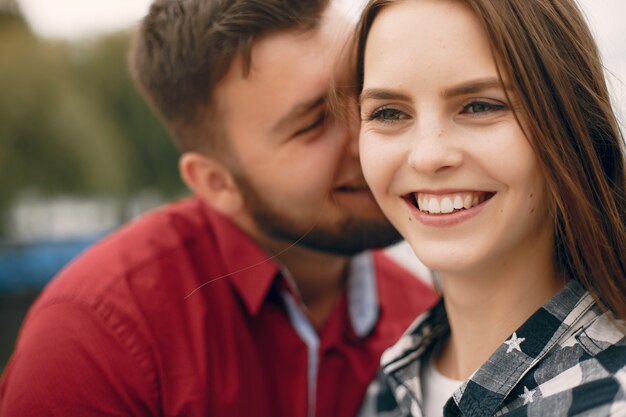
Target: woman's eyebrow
x: 467, y: 87
x: 473, y: 86
x: 382, y: 94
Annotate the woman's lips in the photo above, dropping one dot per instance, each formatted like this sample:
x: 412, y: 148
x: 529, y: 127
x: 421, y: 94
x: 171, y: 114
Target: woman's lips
x: 444, y: 209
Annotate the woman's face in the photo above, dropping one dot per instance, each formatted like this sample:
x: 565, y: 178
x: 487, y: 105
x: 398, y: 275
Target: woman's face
x: 440, y: 146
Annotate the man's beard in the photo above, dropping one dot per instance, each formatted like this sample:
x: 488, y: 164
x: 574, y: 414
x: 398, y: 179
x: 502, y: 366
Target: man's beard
x: 348, y: 236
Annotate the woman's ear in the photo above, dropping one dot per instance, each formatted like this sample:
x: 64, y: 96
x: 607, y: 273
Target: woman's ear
x: 211, y: 181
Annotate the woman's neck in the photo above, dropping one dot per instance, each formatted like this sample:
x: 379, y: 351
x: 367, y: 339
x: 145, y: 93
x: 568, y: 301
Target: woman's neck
x: 484, y: 308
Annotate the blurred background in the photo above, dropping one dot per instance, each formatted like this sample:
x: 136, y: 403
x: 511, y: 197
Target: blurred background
x: 81, y: 153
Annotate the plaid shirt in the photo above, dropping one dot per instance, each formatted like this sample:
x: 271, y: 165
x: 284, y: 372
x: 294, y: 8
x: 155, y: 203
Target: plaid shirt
x: 567, y: 359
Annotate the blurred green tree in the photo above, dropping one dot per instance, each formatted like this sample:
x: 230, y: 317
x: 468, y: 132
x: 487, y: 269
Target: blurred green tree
x: 102, y: 74
x: 71, y: 121
x: 10, y: 6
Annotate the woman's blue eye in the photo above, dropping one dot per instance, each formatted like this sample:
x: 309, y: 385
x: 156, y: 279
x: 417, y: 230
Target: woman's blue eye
x: 387, y: 115
x: 482, y: 107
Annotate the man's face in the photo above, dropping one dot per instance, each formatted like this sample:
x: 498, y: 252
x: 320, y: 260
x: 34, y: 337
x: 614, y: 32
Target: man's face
x: 297, y: 167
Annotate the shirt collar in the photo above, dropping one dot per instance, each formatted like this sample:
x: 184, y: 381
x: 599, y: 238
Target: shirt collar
x: 250, y: 270
x: 362, y: 294
x: 483, y: 394
x: 487, y: 388
x: 363, y: 305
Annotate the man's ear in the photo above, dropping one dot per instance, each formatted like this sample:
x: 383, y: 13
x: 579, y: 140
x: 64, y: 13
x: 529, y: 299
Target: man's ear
x: 210, y: 180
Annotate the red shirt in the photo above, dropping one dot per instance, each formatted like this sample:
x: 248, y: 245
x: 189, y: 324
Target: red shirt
x: 117, y: 333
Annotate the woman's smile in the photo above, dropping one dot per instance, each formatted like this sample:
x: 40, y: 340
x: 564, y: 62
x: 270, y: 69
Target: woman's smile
x: 446, y: 208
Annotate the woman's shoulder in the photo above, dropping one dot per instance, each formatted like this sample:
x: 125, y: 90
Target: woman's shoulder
x: 584, y: 372
x: 602, y: 342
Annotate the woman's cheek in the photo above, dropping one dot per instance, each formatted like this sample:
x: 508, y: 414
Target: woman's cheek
x: 381, y: 161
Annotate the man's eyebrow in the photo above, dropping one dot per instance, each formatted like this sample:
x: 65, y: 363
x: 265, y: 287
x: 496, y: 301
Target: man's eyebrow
x: 297, y: 111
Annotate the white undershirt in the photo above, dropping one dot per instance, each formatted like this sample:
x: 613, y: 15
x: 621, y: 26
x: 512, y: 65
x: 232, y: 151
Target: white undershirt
x: 436, y: 389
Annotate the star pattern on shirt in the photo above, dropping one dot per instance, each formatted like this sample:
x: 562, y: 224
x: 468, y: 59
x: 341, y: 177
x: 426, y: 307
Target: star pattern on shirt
x: 527, y: 396
x: 514, y: 343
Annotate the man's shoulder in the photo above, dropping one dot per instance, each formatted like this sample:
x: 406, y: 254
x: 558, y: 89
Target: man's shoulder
x: 397, y: 280
x: 154, y: 233
x: 402, y: 294
x: 149, y: 244
x: 97, y: 329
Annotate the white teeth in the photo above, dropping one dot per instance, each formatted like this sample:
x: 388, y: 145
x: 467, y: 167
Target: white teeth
x: 433, y: 206
x: 458, y: 202
x: 436, y: 204
x: 446, y: 205
x: 467, y: 202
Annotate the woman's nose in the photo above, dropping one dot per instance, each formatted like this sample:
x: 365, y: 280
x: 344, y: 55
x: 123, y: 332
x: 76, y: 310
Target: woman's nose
x: 434, y: 148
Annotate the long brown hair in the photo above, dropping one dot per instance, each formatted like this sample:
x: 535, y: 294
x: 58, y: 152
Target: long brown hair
x: 547, y: 51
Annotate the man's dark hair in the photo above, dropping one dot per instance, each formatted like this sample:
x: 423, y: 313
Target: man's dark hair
x: 183, y: 48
